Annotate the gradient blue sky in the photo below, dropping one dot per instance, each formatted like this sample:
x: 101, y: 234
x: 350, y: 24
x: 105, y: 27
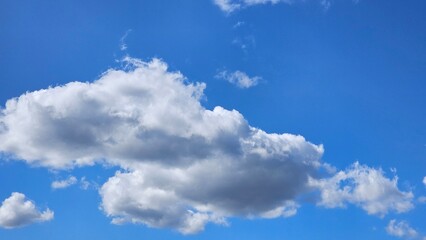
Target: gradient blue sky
x: 351, y: 77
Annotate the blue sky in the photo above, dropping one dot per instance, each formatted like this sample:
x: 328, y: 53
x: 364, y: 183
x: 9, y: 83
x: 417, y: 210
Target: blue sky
x: 117, y: 131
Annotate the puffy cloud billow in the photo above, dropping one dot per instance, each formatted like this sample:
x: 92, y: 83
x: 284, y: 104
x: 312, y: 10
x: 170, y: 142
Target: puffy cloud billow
x: 182, y: 165
x: 18, y: 211
x: 366, y: 187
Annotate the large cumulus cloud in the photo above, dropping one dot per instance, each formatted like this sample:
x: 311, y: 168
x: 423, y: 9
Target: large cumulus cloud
x: 182, y: 165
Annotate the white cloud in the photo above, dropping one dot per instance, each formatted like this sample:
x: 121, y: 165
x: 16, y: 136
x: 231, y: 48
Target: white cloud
x: 239, y: 79
x: 229, y: 6
x: 326, y: 4
x: 124, y: 117
x: 260, y: 181
x: 424, y: 180
x: 186, y: 165
x: 366, y: 187
x: 71, y: 180
x: 401, y: 229
x: 238, y: 24
x: 183, y: 166
x: 86, y: 184
x: 245, y: 43
x: 128, y: 197
x: 288, y: 209
x: 123, y: 45
x: 18, y: 211
x: 421, y: 199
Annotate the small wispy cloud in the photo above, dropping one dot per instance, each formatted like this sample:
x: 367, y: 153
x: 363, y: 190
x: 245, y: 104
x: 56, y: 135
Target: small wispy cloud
x: 229, y: 6
x: 123, y: 45
x: 424, y: 180
x: 238, y: 24
x: 71, y: 180
x: 326, y: 4
x: 245, y: 43
x: 86, y: 184
x: 400, y: 229
x: 239, y: 78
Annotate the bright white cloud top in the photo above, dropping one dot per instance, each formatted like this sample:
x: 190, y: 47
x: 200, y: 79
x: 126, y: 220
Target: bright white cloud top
x: 18, y: 211
x: 183, y: 165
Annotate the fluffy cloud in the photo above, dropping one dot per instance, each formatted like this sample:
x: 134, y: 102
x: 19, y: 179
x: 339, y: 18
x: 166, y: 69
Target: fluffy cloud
x: 239, y: 79
x: 424, y: 180
x: 253, y: 183
x: 17, y: 211
x: 71, y: 180
x: 401, y: 229
x: 185, y: 165
x: 182, y: 166
x: 147, y: 114
x: 366, y: 187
